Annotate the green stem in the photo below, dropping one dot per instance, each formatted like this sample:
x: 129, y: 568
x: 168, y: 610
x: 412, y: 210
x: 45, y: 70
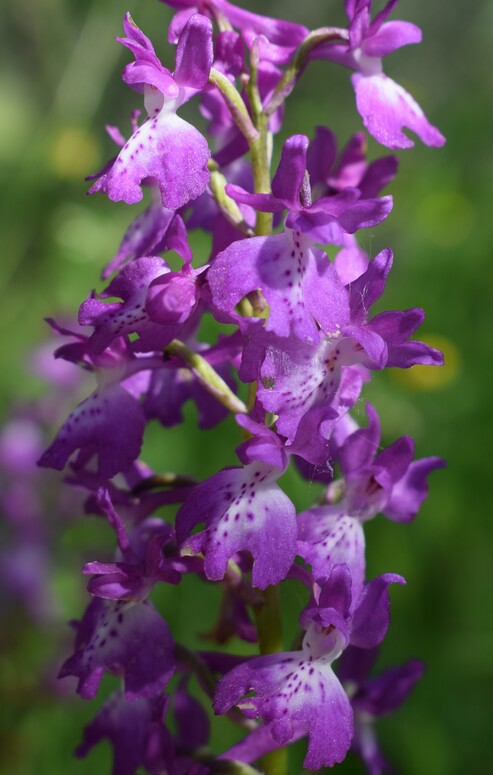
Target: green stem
x: 207, y: 376
x: 268, y: 620
x: 261, y: 174
x: 268, y: 613
x: 259, y: 147
x: 299, y: 62
x: 228, y: 206
x: 235, y: 104
x: 269, y: 630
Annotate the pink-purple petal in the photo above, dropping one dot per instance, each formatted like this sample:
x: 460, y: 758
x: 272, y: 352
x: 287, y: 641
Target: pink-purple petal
x: 366, y: 213
x: 111, y: 320
x: 371, y: 617
x: 321, y: 155
x: 390, y: 37
x: 170, y: 153
x: 288, y: 182
x: 109, y: 424
x: 327, y: 537
x: 242, y: 510
x: 279, y: 267
x: 386, y: 109
x: 293, y: 694
x: 129, y: 639
x: 411, y: 490
x: 194, y: 53
x: 368, y: 288
x: 266, y: 203
x: 132, y: 728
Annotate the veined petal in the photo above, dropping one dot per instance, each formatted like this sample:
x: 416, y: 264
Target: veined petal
x: 296, y: 377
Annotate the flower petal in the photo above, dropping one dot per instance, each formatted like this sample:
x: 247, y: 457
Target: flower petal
x: 386, y: 108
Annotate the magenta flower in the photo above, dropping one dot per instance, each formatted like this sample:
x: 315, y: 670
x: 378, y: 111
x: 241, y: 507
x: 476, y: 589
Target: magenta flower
x: 296, y: 279
x: 389, y: 482
x: 165, y: 149
x: 109, y: 425
x: 135, y: 730
x: 385, y: 107
x: 129, y: 639
x: 243, y: 509
x: 299, y: 690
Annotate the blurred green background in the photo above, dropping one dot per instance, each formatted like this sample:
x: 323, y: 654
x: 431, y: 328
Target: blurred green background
x: 59, y: 85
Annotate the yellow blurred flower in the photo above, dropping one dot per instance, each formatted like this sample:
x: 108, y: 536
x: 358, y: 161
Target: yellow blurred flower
x: 74, y: 153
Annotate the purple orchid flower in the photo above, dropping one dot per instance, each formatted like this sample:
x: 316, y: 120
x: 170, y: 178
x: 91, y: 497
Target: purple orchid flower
x: 296, y: 279
x: 324, y: 219
x: 149, y: 556
x: 110, y: 423
x: 156, y: 304
x: 134, y: 729
x: 389, y: 482
x: 126, y: 638
x: 139, y: 737
x: 306, y: 339
x: 111, y: 320
x: 243, y: 509
x: 155, y: 230
x: 295, y: 377
x: 165, y: 149
x: 300, y: 689
x: 330, y: 175
x: 385, y: 107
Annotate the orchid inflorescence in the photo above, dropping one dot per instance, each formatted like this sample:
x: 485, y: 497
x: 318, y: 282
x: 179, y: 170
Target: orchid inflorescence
x: 298, y: 329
